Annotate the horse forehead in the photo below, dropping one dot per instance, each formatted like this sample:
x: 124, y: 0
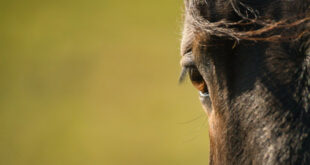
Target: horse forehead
x: 188, y: 36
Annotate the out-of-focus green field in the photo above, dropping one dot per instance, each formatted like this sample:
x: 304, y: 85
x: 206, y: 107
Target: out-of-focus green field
x: 95, y: 83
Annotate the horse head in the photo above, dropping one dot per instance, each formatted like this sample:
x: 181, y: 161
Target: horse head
x: 250, y: 61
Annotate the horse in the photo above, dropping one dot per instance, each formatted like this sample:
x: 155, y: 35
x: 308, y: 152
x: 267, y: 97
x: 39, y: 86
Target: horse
x: 250, y: 61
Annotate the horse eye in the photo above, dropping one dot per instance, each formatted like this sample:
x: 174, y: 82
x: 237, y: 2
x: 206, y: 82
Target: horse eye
x: 197, y: 80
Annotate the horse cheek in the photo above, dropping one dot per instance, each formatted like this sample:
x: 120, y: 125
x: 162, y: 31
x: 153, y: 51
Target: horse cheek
x: 217, y: 142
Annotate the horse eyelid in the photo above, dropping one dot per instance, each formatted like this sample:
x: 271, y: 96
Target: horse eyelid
x: 188, y: 51
x: 186, y: 63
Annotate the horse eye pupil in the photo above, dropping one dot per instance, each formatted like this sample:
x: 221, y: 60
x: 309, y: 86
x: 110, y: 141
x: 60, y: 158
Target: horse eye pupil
x: 195, y: 75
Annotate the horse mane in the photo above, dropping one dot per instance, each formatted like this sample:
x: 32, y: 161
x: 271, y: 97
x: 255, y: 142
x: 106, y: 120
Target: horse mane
x: 267, y: 29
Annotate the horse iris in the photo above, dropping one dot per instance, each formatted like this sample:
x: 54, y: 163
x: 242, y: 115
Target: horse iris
x: 198, y: 81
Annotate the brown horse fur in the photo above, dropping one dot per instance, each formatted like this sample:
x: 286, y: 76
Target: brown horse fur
x: 254, y: 56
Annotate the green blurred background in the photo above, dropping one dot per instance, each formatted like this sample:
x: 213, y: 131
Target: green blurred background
x: 95, y: 83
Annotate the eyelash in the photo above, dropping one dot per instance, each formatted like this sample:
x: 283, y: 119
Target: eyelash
x: 187, y: 64
x: 183, y: 74
x: 193, y: 73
